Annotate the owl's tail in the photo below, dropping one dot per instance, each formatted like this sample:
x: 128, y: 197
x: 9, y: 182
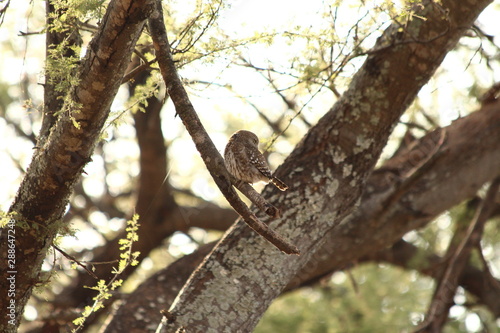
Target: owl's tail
x: 279, y: 184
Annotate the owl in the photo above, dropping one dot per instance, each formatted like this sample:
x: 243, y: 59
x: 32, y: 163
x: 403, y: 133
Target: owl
x: 246, y: 163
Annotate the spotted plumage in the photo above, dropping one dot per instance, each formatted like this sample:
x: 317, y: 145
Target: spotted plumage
x: 245, y: 162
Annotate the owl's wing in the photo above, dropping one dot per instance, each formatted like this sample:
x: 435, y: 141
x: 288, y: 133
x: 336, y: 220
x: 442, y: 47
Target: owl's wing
x: 259, y: 161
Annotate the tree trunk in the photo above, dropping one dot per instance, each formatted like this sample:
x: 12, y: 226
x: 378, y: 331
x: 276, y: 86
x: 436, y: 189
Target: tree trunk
x: 470, y: 157
x: 57, y: 164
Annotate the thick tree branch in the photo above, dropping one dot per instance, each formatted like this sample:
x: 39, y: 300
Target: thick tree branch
x: 361, y: 237
x: 327, y: 172
x: 160, y: 215
x: 209, y: 153
x: 472, y: 158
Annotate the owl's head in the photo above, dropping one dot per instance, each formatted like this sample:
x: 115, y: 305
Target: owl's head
x: 245, y: 137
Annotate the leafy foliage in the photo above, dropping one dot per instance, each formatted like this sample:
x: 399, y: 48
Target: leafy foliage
x: 127, y: 258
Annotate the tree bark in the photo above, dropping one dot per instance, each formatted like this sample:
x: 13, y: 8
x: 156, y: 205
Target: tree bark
x: 57, y: 164
x: 326, y: 173
x: 472, y: 157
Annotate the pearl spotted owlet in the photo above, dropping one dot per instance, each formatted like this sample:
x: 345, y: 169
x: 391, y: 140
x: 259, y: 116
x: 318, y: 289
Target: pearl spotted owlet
x: 245, y: 162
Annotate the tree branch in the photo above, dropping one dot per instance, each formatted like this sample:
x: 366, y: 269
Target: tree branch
x: 209, y: 153
x: 329, y: 166
x: 361, y: 238
x: 458, y: 254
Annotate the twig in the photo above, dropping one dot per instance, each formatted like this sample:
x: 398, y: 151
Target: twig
x: 70, y: 257
x: 3, y: 10
x: 413, y: 39
x: 30, y: 33
x: 209, y: 153
x: 130, y: 75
